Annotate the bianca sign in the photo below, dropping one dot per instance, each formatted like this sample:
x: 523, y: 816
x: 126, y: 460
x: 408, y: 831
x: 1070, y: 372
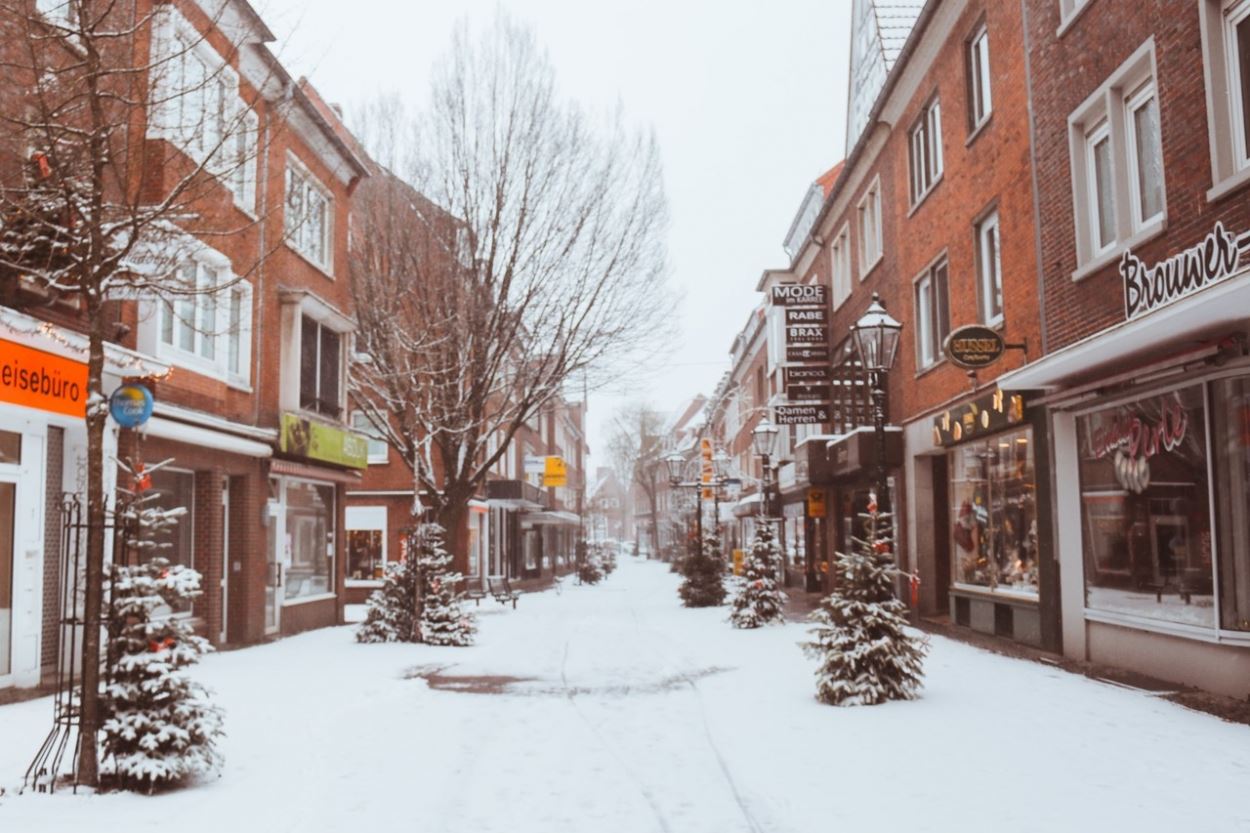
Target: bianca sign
x: 1214, y: 258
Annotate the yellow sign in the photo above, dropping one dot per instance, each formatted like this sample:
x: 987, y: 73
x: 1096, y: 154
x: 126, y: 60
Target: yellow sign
x: 707, y: 471
x: 739, y: 557
x: 815, y: 503
x: 555, y: 473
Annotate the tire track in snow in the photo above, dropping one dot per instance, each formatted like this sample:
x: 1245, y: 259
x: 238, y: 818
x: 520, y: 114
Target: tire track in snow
x: 732, y: 783
x: 603, y: 742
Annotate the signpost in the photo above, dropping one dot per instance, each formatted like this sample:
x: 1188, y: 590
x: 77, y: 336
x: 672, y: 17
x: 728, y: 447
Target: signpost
x: 808, y: 393
x: 807, y: 334
x: 974, y: 346
x: 799, y: 295
x: 804, y: 315
x: 808, y: 374
x: 815, y: 353
x: 131, y: 405
x: 555, y: 472
x: 814, y: 414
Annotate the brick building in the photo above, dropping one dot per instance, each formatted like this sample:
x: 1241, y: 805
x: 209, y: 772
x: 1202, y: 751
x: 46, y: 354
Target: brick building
x: 1140, y: 136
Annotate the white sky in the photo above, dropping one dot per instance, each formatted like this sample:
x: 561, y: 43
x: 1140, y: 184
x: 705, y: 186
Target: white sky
x: 748, y: 99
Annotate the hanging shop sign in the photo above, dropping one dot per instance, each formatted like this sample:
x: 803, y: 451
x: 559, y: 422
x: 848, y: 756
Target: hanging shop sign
x: 813, y: 353
x: 815, y: 503
x: 43, y: 381
x: 131, y: 405
x: 1213, y: 259
x: 974, y: 346
x: 802, y: 315
x: 814, y: 374
x: 534, y: 464
x: 814, y: 414
x: 799, y: 295
x: 555, y: 472
x: 302, y: 437
x: 808, y: 393
x: 984, y: 415
x: 807, y: 334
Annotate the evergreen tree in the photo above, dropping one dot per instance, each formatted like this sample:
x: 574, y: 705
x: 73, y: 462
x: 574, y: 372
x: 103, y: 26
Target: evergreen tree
x: 159, y: 726
x: 704, y: 584
x: 390, y: 610
x: 866, y: 655
x: 443, y: 622
x: 589, y: 564
x: 759, y: 601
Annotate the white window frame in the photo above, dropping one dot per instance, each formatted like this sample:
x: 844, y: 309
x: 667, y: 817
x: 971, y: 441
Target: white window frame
x: 840, y: 266
x: 379, y: 449
x: 295, y: 231
x: 1226, y: 126
x: 1135, y: 101
x: 1107, y: 108
x: 1069, y: 11
x: 1100, y: 134
x: 871, y: 245
x: 365, y: 519
x: 989, y: 269
x: 979, y: 82
x: 925, y: 298
x: 207, y: 318
x: 344, y: 346
x: 925, y: 145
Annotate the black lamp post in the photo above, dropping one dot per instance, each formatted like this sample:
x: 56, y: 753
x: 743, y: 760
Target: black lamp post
x: 876, y: 337
x: 764, y: 438
x: 675, y: 463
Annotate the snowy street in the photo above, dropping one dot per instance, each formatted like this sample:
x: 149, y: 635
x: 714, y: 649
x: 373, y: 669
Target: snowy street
x: 611, y: 708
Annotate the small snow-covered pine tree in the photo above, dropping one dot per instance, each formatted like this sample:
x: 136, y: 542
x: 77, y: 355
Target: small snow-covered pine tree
x: 860, y: 634
x: 443, y: 620
x: 159, y: 727
x: 704, y: 584
x: 759, y: 601
x: 390, y: 609
x: 590, y: 564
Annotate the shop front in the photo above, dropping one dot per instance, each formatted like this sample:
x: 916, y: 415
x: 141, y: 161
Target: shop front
x: 988, y: 516
x: 513, y: 545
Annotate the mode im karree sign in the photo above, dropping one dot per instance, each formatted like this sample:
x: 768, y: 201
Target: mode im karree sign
x: 1217, y: 256
x: 799, y: 295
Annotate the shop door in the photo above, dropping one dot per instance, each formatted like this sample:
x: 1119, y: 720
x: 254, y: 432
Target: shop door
x: 225, y: 558
x: 941, y: 577
x: 21, y: 557
x: 273, y: 573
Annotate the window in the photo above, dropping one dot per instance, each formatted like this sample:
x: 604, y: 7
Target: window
x: 1068, y: 10
x: 994, y: 514
x: 979, y: 102
x: 1146, y: 525
x: 840, y: 255
x: 320, y: 368
x: 932, y: 316
x: 208, y: 327
x: 63, y: 13
x: 378, y: 448
x: 1226, y: 52
x: 989, y: 271
x: 307, y: 216
x: 366, y: 542
x: 1231, y: 447
x: 172, y: 489
x: 870, y: 246
x: 926, y: 152
x: 242, y: 173
x: 309, y: 539
x: 1117, y: 173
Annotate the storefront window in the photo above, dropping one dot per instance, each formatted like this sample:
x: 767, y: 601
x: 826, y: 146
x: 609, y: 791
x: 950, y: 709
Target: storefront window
x: 175, y: 542
x: 1145, y: 509
x: 364, y: 554
x: 1231, y: 449
x: 309, y: 539
x: 994, y: 513
x: 8, y: 517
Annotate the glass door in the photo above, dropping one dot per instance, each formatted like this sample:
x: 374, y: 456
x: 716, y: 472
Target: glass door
x: 8, y: 518
x: 276, y: 535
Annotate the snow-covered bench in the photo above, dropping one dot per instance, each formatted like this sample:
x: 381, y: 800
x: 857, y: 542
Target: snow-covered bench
x: 502, y: 590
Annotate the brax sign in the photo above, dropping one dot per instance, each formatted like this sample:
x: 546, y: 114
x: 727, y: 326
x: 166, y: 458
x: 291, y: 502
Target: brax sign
x: 798, y: 295
x: 1216, y: 257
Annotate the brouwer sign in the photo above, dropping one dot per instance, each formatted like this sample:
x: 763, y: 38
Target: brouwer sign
x: 1147, y: 288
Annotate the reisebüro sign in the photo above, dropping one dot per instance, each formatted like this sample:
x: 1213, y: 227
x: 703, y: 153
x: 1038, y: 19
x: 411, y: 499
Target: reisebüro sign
x: 1214, y: 258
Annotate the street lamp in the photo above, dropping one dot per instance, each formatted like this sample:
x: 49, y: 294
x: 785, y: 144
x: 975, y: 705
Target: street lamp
x: 764, y: 437
x: 876, y: 337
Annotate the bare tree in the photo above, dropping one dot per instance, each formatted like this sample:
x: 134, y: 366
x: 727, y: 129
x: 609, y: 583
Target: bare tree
x: 518, y: 245
x: 119, y: 147
x: 635, y: 448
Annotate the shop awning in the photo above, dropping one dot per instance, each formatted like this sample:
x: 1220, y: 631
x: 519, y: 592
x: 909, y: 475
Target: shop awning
x: 550, y: 518
x: 1206, y: 315
x: 314, y: 472
x: 168, y: 429
x: 749, y: 505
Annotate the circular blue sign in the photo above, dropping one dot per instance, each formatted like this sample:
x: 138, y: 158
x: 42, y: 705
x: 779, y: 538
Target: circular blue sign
x: 131, y: 405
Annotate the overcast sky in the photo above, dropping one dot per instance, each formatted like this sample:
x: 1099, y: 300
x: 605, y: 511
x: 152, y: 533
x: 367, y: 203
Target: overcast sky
x: 748, y: 99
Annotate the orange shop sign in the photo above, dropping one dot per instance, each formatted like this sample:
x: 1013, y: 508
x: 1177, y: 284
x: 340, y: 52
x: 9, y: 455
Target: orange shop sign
x: 42, y: 380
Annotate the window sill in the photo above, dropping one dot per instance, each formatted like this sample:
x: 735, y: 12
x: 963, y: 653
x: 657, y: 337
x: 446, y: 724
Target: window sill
x: 867, y: 270
x: 924, y: 195
x: 314, y: 264
x: 979, y: 129
x: 1176, y: 629
x: 929, y: 368
x: 364, y: 582
x: 1000, y: 594
x: 320, y: 597
x: 1113, y: 254
x: 1067, y: 23
x: 1229, y: 184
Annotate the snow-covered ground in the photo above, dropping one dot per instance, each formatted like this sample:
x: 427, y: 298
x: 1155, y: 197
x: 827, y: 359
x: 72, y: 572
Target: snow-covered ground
x: 631, y: 714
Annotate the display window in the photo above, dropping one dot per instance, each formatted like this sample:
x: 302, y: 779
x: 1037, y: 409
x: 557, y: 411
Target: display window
x: 309, y: 539
x: 994, y: 514
x: 1146, y: 510
x: 173, y: 490
x: 364, y: 554
x: 1232, y: 462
